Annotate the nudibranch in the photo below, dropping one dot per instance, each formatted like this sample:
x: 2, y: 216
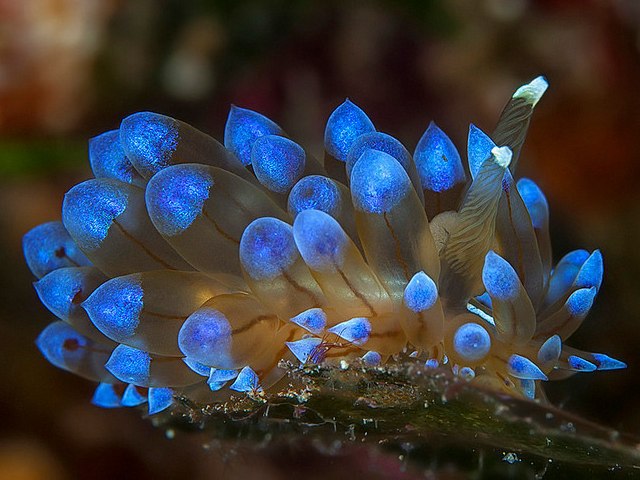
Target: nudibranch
x: 190, y: 267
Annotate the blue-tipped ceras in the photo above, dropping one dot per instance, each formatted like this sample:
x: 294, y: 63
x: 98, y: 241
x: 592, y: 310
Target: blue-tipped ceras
x: 190, y: 267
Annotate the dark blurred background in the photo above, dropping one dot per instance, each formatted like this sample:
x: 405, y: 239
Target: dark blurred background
x: 70, y: 69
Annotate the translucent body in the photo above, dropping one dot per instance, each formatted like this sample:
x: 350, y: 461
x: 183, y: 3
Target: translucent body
x: 199, y: 271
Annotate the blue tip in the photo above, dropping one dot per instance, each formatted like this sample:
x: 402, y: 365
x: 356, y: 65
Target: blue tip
x: 320, y: 239
x: 219, y: 375
x: 105, y: 396
x: 550, y: 350
x: 591, y: 272
x: 579, y: 302
x: 62, y: 346
x: 205, y: 337
x: 243, y: 128
x: 215, y: 386
x: 277, y: 162
x: 149, y: 140
x: 535, y: 202
x: 499, y: 277
x: 315, y: 192
x: 485, y: 299
x: 48, y: 247
x: 129, y: 365
x: 345, y: 125
x: 176, y: 196
x: 438, y: 161
x: 197, y: 367
x: 247, y: 381
x: 267, y: 248
x: 381, y: 142
x: 479, y: 147
x: 523, y: 368
x: 472, y: 342
x: 62, y: 290
x: 132, y: 397
x: 356, y: 330
x: 305, y: 348
x: 432, y: 363
x: 108, y: 160
x: 467, y: 373
x: 580, y: 364
x: 89, y: 209
x: 420, y: 293
x: 565, y: 274
x: 313, y: 320
x: 378, y: 182
x: 160, y: 399
x: 372, y: 358
x: 528, y: 388
x: 575, y: 258
x: 605, y: 362
x: 115, y: 307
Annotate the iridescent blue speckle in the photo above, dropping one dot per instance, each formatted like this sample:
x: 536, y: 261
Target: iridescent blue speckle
x: 579, y: 302
x: 206, y: 337
x: 313, y: 320
x: 159, y: 399
x: 105, y: 396
x: 528, y: 388
x: 89, y: 209
x: 591, y: 272
x: 484, y: 299
x: 550, y: 350
x: 149, y: 140
x: 218, y: 375
x: 378, y: 182
x: 479, y: 149
x: 320, y: 240
x: 115, y: 306
x: 62, y: 346
x: 277, y: 162
x: 176, y: 196
x: 381, y: 142
x: 523, y: 368
x: 580, y: 364
x: 432, y: 363
x: 535, y: 202
x: 59, y: 290
x: 438, y: 161
x: 565, y: 273
x: 372, y: 358
x: 247, y: 381
x: 303, y: 349
x: 467, y: 373
x: 356, y: 330
x: 267, y: 248
x: 472, y: 342
x: 317, y: 192
x: 243, y: 128
x: 129, y: 365
x: 108, y: 160
x: 345, y: 124
x: 420, y: 293
x: 499, y: 277
x: 605, y: 362
x: 132, y: 397
x: 199, y: 368
x: 48, y: 247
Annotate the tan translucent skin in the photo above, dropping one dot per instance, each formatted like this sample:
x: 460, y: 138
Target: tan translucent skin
x: 200, y: 268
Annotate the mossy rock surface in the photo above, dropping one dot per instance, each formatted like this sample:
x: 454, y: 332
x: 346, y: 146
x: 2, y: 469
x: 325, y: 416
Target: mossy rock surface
x: 425, y: 416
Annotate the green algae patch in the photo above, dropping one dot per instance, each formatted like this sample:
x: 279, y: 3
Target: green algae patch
x: 424, y: 415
